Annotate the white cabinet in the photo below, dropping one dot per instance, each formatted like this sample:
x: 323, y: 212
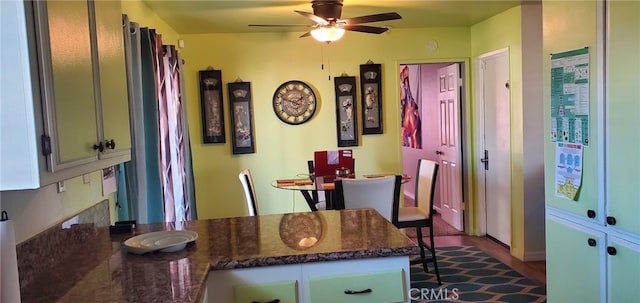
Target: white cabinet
x: 65, y: 98
x: 588, y: 265
x: 593, y: 243
x: 385, y: 277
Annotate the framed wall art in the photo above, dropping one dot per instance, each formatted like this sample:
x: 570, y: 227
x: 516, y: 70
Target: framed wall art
x: 371, y: 95
x: 346, y: 111
x: 241, y: 117
x: 211, y: 106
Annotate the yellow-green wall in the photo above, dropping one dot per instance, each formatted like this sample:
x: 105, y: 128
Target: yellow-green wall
x: 511, y: 30
x: 139, y: 12
x: 33, y: 211
x: 267, y: 60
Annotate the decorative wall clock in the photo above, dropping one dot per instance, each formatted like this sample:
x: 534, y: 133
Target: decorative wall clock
x: 294, y: 102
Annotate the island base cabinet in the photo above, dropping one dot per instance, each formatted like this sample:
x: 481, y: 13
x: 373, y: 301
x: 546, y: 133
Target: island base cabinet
x: 281, y: 292
x: 317, y: 282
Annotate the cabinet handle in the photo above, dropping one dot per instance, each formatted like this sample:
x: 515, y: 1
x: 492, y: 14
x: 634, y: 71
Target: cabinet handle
x: 110, y: 144
x: 612, y: 251
x: 272, y: 301
x: 99, y: 147
x: 592, y: 242
x: 591, y: 213
x: 611, y: 220
x: 357, y: 292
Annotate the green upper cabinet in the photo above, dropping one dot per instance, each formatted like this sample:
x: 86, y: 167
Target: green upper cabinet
x: 623, y: 115
x: 70, y: 101
x: 113, y: 99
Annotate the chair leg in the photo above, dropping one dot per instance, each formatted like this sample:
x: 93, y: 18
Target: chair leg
x: 421, y: 244
x: 432, y: 248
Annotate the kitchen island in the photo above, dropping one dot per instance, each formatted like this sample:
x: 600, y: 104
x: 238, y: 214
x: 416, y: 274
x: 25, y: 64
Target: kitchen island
x: 311, y: 245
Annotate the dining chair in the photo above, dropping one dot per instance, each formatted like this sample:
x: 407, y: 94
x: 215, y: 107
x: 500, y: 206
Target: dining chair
x: 321, y: 204
x: 381, y: 194
x: 421, y: 214
x: 249, y: 191
x: 320, y: 197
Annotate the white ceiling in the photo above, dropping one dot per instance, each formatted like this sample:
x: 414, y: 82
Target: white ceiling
x: 234, y: 16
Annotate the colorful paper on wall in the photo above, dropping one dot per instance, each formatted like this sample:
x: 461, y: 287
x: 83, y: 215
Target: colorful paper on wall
x: 570, y: 97
x: 568, y: 170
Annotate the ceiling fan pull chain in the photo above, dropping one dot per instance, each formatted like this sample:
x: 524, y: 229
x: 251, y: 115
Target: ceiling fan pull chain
x: 322, y: 57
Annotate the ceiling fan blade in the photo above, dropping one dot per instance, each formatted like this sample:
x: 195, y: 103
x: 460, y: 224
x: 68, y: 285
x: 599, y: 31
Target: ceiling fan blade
x: 313, y: 17
x: 366, y: 29
x: 281, y: 25
x: 372, y: 18
x: 307, y: 34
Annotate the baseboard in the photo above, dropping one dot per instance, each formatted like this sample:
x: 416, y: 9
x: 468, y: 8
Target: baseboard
x: 534, y: 256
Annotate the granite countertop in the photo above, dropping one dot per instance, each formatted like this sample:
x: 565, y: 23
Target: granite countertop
x: 103, y: 271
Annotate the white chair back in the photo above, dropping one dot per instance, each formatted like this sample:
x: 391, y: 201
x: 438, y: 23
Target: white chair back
x: 249, y: 191
x: 426, y: 184
x: 380, y: 194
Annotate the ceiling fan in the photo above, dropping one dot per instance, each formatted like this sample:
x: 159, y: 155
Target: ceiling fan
x: 329, y: 27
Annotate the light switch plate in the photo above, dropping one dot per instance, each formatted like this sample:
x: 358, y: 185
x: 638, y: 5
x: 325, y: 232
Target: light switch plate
x: 86, y: 179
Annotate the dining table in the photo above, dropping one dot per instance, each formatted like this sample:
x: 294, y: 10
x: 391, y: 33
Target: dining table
x: 307, y: 184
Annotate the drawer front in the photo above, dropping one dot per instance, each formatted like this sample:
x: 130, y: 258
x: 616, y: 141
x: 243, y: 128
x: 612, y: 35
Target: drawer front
x: 386, y: 286
x: 281, y: 292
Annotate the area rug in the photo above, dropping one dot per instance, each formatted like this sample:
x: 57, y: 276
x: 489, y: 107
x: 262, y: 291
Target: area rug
x: 440, y: 228
x: 470, y: 275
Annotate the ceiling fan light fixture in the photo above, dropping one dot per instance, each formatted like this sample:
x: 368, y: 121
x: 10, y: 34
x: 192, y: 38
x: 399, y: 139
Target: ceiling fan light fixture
x: 327, y: 33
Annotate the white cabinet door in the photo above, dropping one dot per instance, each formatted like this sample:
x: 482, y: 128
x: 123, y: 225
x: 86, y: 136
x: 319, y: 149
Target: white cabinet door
x: 623, y: 274
x: 575, y: 262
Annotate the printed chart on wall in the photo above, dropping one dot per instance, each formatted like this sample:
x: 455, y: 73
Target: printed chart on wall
x: 570, y: 97
x: 568, y: 170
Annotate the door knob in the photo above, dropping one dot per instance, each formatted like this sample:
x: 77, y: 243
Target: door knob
x: 439, y: 152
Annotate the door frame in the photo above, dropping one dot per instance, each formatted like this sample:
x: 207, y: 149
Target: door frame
x: 479, y: 133
x: 468, y: 207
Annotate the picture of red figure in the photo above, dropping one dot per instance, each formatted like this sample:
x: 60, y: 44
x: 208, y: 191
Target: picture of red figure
x: 410, y: 112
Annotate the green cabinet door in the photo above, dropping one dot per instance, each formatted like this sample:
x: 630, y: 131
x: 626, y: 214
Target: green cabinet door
x: 282, y: 292
x: 387, y: 286
x: 624, y: 271
x: 69, y: 82
x: 574, y: 263
x: 623, y: 122
x: 114, y: 98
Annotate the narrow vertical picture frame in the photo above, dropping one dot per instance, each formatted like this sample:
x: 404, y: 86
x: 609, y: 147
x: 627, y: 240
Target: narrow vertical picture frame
x: 346, y: 111
x: 242, y: 137
x: 211, y: 106
x: 371, y: 95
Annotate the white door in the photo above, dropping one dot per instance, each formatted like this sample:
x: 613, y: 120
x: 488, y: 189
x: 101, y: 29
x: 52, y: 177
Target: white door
x: 494, y: 142
x: 449, y: 151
